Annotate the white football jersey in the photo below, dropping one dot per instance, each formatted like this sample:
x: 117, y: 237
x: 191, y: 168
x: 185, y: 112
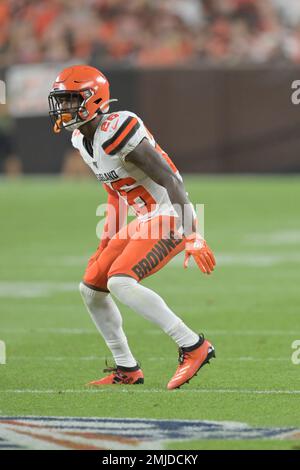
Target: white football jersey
x: 116, y: 136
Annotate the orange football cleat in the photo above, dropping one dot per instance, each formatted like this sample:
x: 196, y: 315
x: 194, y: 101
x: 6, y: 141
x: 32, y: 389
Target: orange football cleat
x: 191, y: 359
x: 121, y: 376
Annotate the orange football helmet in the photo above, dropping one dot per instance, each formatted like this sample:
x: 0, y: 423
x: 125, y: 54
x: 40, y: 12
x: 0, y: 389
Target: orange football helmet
x: 78, y: 95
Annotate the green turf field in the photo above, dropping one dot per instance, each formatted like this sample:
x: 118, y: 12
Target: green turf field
x: 249, y: 309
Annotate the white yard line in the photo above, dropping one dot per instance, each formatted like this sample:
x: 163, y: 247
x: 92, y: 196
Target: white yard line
x: 286, y: 237
x: 80, y: 331
x: 245, y: 332
x: 149, y: 358
x: 33, y: 289
x: 223, y: 259
x: 41, y: 289
x: 246, y: 259
x: 56, y: 331
x: 154, y: 390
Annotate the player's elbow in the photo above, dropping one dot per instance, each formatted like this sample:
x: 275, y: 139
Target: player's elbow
x: 170, y: 181
x: 173, y: 184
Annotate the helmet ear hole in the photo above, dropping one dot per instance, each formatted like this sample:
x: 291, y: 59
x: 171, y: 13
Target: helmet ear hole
x: 84, y: 113
x: 98, y: 101
x: 86, y: 94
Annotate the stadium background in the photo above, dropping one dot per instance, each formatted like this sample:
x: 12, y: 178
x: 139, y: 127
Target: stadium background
x: 212, y: 80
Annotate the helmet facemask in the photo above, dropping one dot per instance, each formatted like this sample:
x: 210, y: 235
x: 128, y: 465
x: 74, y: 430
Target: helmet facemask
x: 68, y: 109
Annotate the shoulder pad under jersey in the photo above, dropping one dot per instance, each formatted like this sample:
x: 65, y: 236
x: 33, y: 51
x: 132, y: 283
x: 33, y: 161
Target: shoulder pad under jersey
x: 76, y: 138
x: 121, y: 132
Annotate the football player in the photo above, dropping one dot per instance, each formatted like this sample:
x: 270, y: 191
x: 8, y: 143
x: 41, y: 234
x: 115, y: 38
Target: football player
x: 135, y: 172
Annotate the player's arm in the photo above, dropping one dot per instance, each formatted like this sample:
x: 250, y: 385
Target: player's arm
x: 145, y: 157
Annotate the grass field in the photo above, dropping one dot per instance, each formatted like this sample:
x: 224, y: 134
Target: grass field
x: 249, y: 309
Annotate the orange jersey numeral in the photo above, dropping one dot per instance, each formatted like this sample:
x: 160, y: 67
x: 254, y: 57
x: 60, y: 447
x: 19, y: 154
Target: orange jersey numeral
x: 105, y: 125
x: 139, y: 198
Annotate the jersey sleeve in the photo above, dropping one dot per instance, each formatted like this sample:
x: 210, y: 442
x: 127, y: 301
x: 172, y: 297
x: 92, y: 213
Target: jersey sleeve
x: 127, y: 130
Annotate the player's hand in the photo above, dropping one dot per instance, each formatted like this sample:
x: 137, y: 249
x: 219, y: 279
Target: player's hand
x: 197, y: 247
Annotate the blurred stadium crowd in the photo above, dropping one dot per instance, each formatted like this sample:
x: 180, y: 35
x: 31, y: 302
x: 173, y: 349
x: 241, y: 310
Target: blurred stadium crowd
x: 135, y: 34
x: 149, y: 33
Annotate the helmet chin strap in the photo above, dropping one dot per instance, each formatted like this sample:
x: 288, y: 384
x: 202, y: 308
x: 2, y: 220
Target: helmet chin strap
x: 103, y: 108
